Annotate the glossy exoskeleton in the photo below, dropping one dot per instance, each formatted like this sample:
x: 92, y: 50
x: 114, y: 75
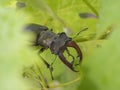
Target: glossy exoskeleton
x: 57, y: 43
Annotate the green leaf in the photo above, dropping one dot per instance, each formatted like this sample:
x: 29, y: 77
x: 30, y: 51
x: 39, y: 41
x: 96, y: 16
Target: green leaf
x: 14, y: 52
x: 101, y: 68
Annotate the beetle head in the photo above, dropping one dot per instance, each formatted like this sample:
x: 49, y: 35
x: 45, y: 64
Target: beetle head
x: 59, y: 43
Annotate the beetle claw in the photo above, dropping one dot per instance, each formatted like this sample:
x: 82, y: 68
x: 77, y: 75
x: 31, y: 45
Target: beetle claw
x: 76, y: 47
x: 63, y: 59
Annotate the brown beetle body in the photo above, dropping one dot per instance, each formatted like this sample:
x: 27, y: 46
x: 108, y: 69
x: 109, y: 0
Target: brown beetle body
x: 57, y: 43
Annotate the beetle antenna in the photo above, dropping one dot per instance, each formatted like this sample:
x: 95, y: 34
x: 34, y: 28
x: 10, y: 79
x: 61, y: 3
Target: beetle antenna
x: 84, y: 29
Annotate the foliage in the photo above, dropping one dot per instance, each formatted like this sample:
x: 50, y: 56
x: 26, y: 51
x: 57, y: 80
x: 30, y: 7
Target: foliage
x: 99, y: 44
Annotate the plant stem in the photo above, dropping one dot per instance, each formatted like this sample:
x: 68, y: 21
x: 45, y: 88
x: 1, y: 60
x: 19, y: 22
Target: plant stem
x: 65, y: 84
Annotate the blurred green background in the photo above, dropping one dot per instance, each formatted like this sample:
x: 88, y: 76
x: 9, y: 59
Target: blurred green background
x: 21, y: 67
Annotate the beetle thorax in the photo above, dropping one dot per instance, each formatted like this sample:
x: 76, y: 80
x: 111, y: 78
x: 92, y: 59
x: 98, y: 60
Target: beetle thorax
x: 46, y: 38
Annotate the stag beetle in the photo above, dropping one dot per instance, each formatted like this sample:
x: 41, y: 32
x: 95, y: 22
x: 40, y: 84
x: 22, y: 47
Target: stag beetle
x: 57, y: 43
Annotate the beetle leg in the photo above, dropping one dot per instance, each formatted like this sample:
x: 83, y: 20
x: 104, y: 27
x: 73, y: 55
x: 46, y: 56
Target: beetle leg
x: 42, y: 50
x: 48, y: 66
x: 63, y: 59
x: 35, y: 43
x: 70, y: 55
x: 76, y: 47
x: 54, y: 61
